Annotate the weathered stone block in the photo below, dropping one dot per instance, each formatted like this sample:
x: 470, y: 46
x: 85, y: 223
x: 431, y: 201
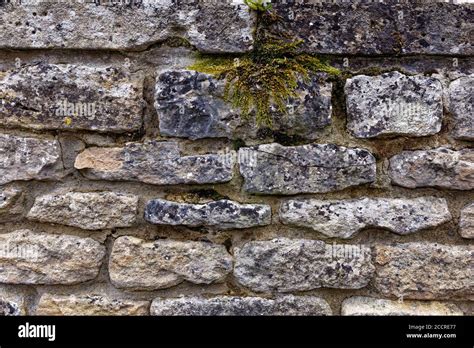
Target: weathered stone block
x: 439, y: 167
x: 214, y: 27
x: 39, y: 258
x: 25, y: 158
x: 424, y: 271
x: 52, y: 304
x: 342, y: 219
x: 77, y: 97
x: 223, y: 214
x: 275, y: 169
x: 466, y: 222
x: 8, y: 196
x: 153, y: 162
x: 12, y: 303
x: 461, y: 104
x: 240, y: 306
x: 374, y: 306
x: 86, y: 210
x: 137, y: 264
x: 393, y: 104
x: 285, y: 265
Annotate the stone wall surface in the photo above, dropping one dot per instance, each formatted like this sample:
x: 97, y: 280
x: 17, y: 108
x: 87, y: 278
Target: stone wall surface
x: 129, y: 185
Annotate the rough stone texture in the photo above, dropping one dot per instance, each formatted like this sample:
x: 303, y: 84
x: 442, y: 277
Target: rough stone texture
x: 222, y: 214
x: 137, y: 264
x: 39, y: 258
x: 373, y: 306
x: 12, y: 303
x: 439, y: 167
x: 275, y: 169
x: 342, y: 219
x: 461, y: 105
x: 26, y: 158
x: 425, y: 271
x: 374, y: 28
x: 210, y: 26
x: 156, y: 163
x: 393, y: 104
x: 285, y: 265
x: 466, y: 222
x: 64, y: 96
x: 52, y: 304
x: 86, y: 210
x: 191, y: 105
x: 240, y: 306
x: 8, y: 197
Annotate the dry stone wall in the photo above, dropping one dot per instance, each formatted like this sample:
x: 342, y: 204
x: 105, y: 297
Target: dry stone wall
x: 129, y: 186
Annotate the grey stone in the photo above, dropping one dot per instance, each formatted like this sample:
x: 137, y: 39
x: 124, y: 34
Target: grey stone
x: 153, y: 162
x: 365, y: 306
x: 424, y: 271
x: 8, y: 196
x: 342, y: 219
x: 76, y: 97
x: 191, y: 105
x: 461, y: 105
x: 275, y: 169
x: 76, y: 305
x: 375, y: 27
x: 285, y: 265
x: 136, y: 264
x: 393, y: 104
x: 466, y: 222
x: 27, y: 158
x: 212, y: 27
x: 439, y: 167
x: 240, y: 306
x: 222, y: 214
x: 12, y: 302
x: 86, y: 210
x: 39, y: 258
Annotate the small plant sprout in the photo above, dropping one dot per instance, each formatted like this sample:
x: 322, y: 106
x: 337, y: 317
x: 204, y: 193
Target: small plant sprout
x: 258, y: 5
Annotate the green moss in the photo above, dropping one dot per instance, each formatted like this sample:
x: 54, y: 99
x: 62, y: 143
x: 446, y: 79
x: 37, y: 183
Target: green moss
x: 258, y: 5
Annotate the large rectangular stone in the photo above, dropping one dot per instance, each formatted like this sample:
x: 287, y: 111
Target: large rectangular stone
x: 286, y: 265
x: 76, y: 97
x: 210, y: 26
x: 137, y: 264
x: 39, y: 258
x: 275, y: 169
x: 461, y: 105
x: 27, y: 158
x: 466, y: 222
x: 425, y: 271
x: 153, y: 162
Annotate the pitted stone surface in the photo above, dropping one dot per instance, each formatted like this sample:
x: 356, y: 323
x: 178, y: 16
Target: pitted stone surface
x: 439, y: 167
x: 393, y: 104
x: 153, y: 162
x: 240, y: 306
x: 275, y: 169
x: 86, y: 210
x: 12, y: 303
x: 137, y: 264
x: 8, y: 197
x: 223, y: 214
x: 76, y: 97
x: 461, y: 104
x: 466, y: 222
x: 285, y: 265
x: 40, y: 258
x: 27, y: 158
x: 342, y: 219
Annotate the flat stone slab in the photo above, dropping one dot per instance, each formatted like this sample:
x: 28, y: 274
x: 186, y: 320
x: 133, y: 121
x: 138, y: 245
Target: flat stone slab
x: 366, y: 306
x: 440, y: 167
x: 222, y: 214
x: 342, y: 219
x: 424, y: 271
x: 286, y: 265
x: 276, y: 169
x: 393, y: 104
x: 212, y: 27
x: 461, y: 105
x: 153, y: 162
x: 28, y: 158
x: 71, y: 97
x: 240, y: 306
x: 136, y: 264
x: 466, y: 222
x: 86, y: 210
x: 40, y: 258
